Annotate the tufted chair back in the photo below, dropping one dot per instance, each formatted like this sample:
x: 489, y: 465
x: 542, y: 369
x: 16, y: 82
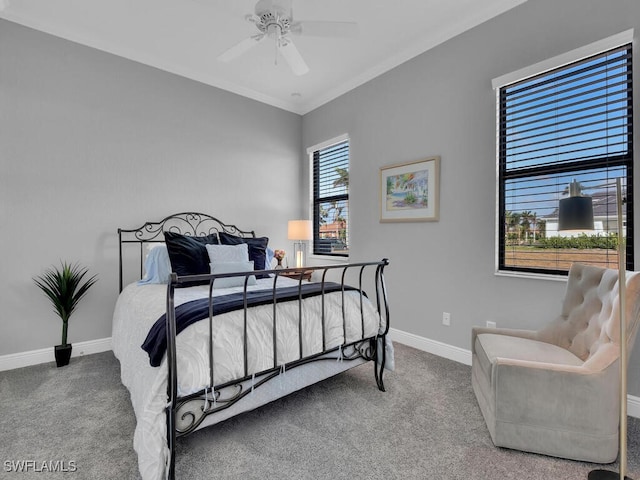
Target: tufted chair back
x: 589, y: 321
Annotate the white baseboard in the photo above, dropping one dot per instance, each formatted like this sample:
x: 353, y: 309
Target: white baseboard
x: 445, y: 350
x: 45, y: 355
x: 461, y: 355
x: 633, y: 406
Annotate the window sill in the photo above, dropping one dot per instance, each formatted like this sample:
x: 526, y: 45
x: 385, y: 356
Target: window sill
x: 324, y: 259
x: 533, y: 276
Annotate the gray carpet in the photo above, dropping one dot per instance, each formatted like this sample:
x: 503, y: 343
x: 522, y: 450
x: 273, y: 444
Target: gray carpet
x: 427, y: 425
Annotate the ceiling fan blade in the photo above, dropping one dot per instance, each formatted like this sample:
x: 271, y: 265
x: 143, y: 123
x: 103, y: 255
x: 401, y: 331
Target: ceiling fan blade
x: 240, y: 48
x: 325, y: 29
x: 292, y: 56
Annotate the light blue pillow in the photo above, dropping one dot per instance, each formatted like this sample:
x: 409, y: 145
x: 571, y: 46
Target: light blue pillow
x: 232, y: 267
x: 157, y: 265
x: 270, y: 256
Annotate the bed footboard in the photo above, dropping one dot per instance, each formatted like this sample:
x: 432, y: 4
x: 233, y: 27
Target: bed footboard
x: 186, y: 413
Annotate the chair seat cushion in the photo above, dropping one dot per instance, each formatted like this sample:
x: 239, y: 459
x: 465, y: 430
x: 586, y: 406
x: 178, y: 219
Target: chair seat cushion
x: 491, y: 346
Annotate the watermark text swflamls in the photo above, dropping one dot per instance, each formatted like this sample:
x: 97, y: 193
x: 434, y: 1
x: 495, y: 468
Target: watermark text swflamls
x: 45, y: 466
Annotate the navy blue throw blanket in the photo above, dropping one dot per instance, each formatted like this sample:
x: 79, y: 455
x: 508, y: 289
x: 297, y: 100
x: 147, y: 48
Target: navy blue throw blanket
x: 156, y: 342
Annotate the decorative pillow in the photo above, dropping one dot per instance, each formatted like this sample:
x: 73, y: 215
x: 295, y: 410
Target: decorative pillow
x: 157, y: 266
x: 188, y: 254
x: 257, y: 249
x: 232, y: 267
x: 228, y: 253
x: 270, y: 257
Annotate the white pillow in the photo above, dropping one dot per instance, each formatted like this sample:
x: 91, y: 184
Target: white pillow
x: 228, y: 253
x: 232, y: 267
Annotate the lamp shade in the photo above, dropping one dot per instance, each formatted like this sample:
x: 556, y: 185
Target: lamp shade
x: 575, y: 213
x: 299, y: 230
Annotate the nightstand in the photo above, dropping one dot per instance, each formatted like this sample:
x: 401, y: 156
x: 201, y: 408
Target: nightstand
x: 306, y: 275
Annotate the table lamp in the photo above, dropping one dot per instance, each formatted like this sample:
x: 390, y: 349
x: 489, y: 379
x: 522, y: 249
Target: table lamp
x: 576, y: 213
x: 300, y: 231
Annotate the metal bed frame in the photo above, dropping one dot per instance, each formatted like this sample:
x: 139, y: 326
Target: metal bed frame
x: 186, y: 413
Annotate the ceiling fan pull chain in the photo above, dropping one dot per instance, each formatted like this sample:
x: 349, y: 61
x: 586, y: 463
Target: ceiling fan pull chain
x: 278, y: 42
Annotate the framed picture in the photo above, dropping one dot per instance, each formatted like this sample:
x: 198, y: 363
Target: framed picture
x: 409, y: 191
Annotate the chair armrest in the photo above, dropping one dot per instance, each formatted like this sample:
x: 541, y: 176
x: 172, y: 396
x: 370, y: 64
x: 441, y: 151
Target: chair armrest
x: 551, y: 367
x: 603, y: 357
x: 475, y: 331
x: 601, y: 360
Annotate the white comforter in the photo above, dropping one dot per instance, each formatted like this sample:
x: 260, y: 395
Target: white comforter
x: 138, y: 308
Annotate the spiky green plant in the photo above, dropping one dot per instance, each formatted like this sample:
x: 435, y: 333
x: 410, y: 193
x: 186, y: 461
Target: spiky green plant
x: 65, y: 288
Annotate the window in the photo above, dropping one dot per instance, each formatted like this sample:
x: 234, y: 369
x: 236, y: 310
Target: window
x: 331, y: 199
x: 569, y: 123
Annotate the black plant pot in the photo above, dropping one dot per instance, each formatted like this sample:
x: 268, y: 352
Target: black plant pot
x: 63, y: 354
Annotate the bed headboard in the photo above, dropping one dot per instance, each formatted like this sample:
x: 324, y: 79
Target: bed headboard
x: 186, y: 223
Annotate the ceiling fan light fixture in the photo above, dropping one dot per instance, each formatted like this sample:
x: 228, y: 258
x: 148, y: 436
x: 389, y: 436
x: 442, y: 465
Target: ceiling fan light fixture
x: 274, y: 30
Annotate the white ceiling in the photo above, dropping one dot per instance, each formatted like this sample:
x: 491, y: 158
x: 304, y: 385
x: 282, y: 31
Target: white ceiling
x: 185, y: 37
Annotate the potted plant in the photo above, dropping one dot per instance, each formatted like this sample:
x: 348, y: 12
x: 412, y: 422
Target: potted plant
x: 65, y: 287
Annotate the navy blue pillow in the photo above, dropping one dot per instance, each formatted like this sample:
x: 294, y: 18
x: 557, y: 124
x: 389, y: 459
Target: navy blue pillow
x: 188, y: 255
x: 257, y: 249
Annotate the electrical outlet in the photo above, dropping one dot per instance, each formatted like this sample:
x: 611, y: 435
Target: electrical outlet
x: 446, y: 319
x: 491, y: 324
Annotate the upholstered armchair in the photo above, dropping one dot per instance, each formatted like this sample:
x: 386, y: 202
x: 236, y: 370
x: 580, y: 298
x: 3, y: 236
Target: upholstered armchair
x: 556, y: 391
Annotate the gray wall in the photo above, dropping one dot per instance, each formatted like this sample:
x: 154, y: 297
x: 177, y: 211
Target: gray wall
x: 442, y: 103
x: 90, y: 142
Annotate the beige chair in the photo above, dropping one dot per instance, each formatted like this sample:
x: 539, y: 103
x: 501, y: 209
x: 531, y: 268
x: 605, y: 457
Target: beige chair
x: 556, y: 391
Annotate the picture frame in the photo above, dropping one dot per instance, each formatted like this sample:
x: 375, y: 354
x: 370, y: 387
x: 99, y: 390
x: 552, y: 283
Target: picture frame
x: 409, y: 192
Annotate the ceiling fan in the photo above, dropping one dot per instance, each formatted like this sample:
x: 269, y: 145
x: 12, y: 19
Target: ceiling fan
x: 274, y: 19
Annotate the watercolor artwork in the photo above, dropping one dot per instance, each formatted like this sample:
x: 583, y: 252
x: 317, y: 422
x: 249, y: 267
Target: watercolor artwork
x: 409, y: 191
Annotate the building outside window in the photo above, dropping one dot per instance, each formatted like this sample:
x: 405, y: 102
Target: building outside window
x: 568, y: 124
x: 330, y: 200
